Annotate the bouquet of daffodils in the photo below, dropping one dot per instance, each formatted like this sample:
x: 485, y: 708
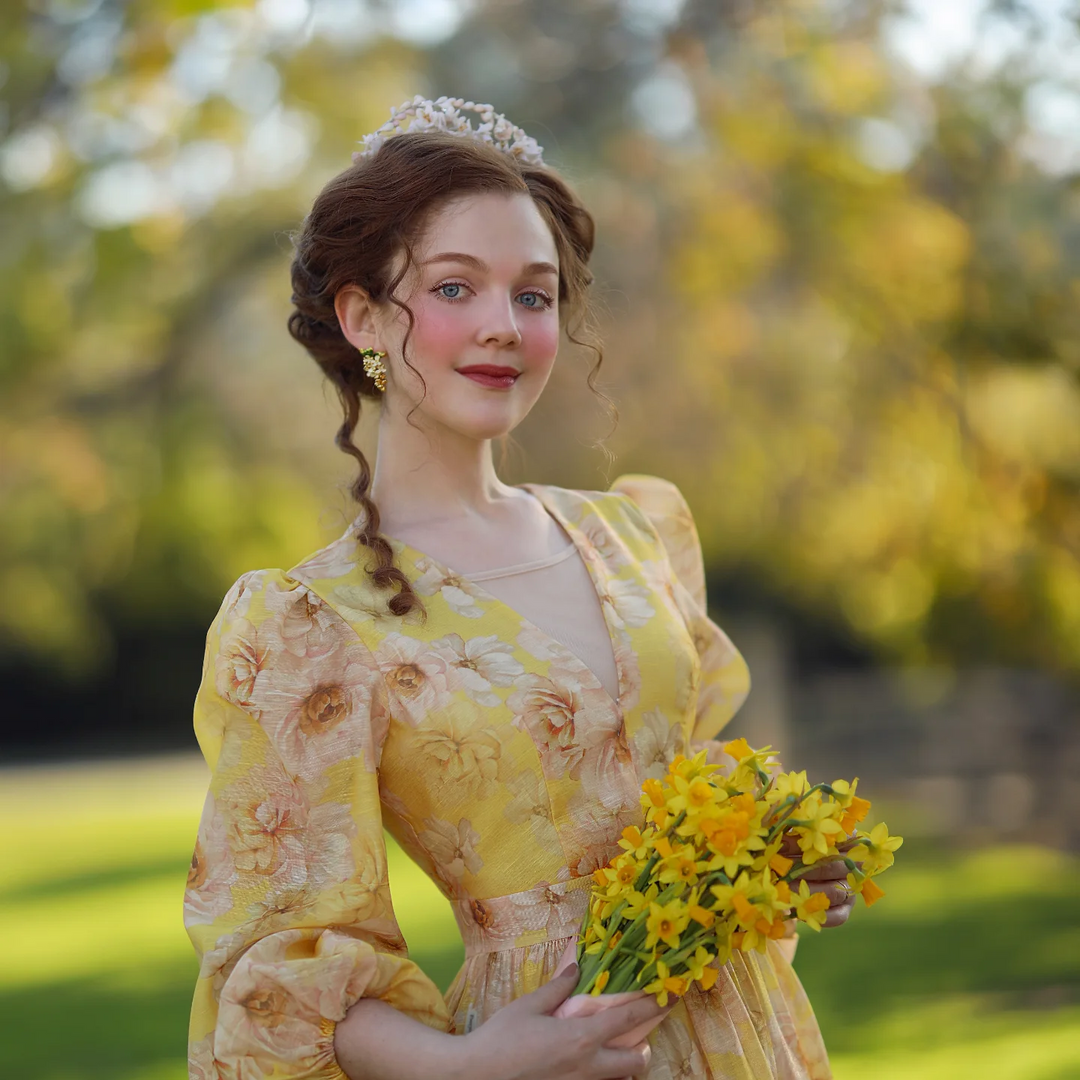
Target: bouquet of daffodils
x: 706, y: 874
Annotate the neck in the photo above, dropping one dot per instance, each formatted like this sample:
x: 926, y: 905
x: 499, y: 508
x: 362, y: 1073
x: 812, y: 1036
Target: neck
x: 426, y: 475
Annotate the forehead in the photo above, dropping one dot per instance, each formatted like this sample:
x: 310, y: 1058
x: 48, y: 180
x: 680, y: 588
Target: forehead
x: 492, y: 226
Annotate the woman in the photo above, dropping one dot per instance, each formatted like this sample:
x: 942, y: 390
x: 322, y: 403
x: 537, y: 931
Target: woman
x: 488, y: 671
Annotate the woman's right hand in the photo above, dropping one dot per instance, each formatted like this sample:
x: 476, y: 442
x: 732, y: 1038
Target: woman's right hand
x: 523, y: 1041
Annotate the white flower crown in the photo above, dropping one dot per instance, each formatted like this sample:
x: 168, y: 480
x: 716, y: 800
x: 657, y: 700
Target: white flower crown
x: 445, y: 114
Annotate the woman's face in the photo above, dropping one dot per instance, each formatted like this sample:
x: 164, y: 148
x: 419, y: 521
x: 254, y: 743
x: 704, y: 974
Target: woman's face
x: 484, y: 294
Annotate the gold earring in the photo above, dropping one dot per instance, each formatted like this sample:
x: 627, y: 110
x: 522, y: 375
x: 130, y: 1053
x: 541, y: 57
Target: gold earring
x: 374, y: 368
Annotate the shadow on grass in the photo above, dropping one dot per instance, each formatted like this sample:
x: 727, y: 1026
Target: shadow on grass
x: 116, y: 1029
x: 97, y: 879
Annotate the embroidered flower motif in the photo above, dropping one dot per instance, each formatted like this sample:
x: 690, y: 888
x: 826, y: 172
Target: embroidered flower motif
x: 309, y: 629
x: 564, y: 719
x: 239, y: 660
x: 530, y: 803
x: 467, y: 753
x: 461, y: 595
x: 274, y: 833
x: 211, y: 873
x: 452, y: 849
x: 416, y: 675
x: 603, y: 542
x: 629, y: 602
x: 657, y: 741
x: 316, y: 709
x: 478, y: 664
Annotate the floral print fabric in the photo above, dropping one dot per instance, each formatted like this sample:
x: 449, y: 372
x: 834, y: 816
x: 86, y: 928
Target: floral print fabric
x: 496, y: 759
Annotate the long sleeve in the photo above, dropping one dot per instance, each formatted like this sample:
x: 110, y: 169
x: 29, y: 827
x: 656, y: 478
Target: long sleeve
x: 288, y: 904
x: 725, y: 679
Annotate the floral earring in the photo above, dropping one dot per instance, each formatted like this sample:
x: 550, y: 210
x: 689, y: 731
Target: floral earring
x: 374, y: 368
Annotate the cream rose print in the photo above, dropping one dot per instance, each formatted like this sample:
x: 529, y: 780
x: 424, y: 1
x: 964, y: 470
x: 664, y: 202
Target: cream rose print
x: 275, y: 833
x: 478, y: 664
x: 464, y: 752
x: 416, y: 675
x: 460, y: 594
x: 452, y: 849
x: 240, y: 658
x: 212, y: 872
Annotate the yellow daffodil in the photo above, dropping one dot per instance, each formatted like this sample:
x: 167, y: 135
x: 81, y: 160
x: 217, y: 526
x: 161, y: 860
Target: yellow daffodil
x: 731, y: 864
x: 734, y: 898
x: 663, y: 845
x: 855, y: 808
x: 620, y: 876
x: 665, y: 923
x: 875, y: 852
x: 781, y: 864
x: 680, y: 867
x: 818, y: 835
x: 653, y: 793
x: 697, y: 970
x: 761, y: 933
x: 601, y: 982
x: 738, y: 749
x: 696, y: 796
x: 665, y: 983
x: 811, y: 907
x: 870, y: 890
x: 700, y: 915
x: 634, y: 843
x: 792, y: 783
x: 637, y: 902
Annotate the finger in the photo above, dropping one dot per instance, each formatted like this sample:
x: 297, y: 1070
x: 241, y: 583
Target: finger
x: 554, y: 992
x: 630, y: 1062
x: 621, y: 1018
x: 568, y: 957
x: 790, y: 846
x: 837, y: 916
x: 837, y: 892
x: 833, y: 870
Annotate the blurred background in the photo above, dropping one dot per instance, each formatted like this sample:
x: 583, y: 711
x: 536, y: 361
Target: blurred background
x: 839, y: 286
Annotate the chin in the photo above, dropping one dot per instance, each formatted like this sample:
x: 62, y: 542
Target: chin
x: 484, y: 423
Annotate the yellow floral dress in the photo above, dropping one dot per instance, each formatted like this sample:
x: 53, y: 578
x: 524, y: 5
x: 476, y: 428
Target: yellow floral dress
x: 495, y: 758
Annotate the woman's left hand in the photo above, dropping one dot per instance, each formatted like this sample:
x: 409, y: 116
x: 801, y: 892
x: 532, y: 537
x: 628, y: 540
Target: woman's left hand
x: 829, y: 878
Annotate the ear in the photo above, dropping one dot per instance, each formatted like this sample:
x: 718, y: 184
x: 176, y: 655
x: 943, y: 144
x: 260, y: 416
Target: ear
x: 356, y: 317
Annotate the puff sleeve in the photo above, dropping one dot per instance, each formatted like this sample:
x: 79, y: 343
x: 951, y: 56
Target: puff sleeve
x: 288, y: 905
x: 725, y: 679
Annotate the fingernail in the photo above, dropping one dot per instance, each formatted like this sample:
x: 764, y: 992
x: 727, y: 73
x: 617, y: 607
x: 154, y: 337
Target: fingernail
x: 571, y: 970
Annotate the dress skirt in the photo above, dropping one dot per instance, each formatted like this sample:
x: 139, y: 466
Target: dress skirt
x: 755, y: 1023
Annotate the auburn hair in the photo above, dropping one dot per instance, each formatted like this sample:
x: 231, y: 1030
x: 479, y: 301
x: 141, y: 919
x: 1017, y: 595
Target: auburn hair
x: 377, y: 209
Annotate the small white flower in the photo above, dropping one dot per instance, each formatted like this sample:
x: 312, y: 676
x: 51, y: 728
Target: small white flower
x: 445, y: 114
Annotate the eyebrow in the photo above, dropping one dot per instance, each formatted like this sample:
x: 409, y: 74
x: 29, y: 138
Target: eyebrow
x: 479, y: 264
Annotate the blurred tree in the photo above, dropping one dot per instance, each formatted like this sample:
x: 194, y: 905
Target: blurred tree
x: 854, y: 290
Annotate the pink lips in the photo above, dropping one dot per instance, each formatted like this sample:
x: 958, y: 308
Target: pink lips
x: 493, y: 375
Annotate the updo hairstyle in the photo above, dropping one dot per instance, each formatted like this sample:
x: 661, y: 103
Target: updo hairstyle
x: 360, y: 222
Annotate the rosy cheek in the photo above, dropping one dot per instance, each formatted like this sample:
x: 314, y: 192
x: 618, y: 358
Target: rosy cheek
x: 439, y: 332
x: 540, y: 335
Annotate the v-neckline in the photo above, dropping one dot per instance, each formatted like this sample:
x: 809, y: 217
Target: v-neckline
x: 597, y: 572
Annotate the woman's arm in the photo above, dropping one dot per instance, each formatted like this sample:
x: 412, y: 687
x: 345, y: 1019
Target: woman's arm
x: 520, y: 1042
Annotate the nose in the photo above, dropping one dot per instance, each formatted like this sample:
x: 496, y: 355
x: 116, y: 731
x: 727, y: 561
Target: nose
x: 500, y: 327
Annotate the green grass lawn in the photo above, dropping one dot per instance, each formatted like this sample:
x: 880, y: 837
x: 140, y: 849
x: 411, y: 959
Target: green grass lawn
x: 969, y: 968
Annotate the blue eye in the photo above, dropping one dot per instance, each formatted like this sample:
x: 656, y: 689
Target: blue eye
x: 450, y: 285
x: 540, y: 300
